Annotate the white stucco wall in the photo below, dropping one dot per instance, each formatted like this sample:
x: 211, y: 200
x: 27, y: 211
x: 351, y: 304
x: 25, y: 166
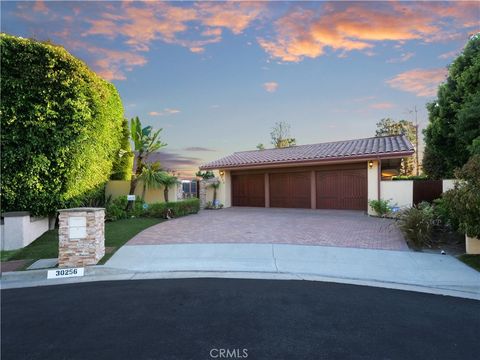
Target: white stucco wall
x: 224, y: 191
x: 116, y: 188
x: 372, y: 177
x: 448, y: 184
x: 19, y: 230
x: 400, y: 192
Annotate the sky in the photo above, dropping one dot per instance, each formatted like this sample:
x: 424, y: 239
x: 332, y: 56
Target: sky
x: 217, y: 76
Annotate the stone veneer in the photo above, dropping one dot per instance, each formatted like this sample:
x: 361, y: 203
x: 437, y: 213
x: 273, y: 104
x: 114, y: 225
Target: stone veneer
x: 202, y: 192
x: 77, y: 252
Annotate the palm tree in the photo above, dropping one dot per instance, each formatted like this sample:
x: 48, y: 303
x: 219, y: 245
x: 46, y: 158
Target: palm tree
x: 152, y: 177
x: 168, y: 181
x: 145, y: 142
x: 215, y: 186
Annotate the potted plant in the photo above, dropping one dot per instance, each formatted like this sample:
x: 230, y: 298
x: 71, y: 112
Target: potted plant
x: 464, y: 201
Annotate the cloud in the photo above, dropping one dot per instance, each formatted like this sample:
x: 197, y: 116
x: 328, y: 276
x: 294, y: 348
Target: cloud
x: 270, y: 86
x: 421, y: 82
x: 171, y: 161
x: 449, y: 54
x: 403, y: 57
x: 165, y: 112
x: 235, y: 16
x: 197, y: 49
x: 382, y: 105
x: 347, y: 26
x: 110, y: 64
x: 41, y: 7
x: 198, y: 148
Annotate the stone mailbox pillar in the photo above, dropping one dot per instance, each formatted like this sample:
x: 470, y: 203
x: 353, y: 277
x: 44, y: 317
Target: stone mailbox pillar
x: 81, y: 236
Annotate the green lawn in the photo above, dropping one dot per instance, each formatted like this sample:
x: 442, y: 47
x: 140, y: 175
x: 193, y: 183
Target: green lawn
x: 117, y: 233
x: 471, y: 260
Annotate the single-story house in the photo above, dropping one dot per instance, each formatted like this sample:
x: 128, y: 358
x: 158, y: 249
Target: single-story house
x: 332, y: 175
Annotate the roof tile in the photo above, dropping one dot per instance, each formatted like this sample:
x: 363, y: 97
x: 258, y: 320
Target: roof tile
x: 382, y: 146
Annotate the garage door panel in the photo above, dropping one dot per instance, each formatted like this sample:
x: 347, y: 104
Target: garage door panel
x: 290, y: 190
x: 248, y: 190
x: 342, y: 189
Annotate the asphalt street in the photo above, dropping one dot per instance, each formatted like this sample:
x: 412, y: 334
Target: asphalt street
x: 234, y: 319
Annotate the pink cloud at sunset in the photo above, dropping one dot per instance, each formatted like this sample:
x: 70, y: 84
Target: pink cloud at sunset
x: 270, y: 86
x: 419, y: 81
x: 348, y: 26
x: 382, y: 105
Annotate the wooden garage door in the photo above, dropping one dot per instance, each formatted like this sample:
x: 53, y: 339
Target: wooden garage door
x: 248, y: 190
x: 290, y: 190
x: 342, y: 189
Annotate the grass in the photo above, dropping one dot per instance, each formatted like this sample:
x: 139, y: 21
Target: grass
x: 471, y: 260
x: 117, y: 233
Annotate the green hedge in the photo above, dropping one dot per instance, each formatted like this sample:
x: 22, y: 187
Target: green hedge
x: 61, y: 127
x: 179, y: 208
x: 116, y: 209
x: 411, y: 177
x: 123, y: 166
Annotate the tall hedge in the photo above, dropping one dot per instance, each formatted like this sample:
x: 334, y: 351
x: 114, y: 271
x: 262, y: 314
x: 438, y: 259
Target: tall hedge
x: 123, y: 166
x: 61, y: 127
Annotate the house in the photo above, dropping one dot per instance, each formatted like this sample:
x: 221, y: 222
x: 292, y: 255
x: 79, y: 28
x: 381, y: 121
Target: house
x: 333, y: 175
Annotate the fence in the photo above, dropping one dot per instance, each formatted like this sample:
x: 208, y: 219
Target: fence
x: 406, y: 193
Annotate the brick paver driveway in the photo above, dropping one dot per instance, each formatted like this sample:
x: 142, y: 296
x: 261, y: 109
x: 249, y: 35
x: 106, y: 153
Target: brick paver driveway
x: 279, y: 226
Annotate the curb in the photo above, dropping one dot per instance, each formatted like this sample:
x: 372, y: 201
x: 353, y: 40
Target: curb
x: 34, y: 278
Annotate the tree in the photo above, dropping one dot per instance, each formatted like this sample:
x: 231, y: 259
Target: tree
x: 152, y: 177
x: 205, y: 175
x: 280, y: 135
x: 123, y: 165
x: 145, y: 142
x: 389, y: 126
x: 463, y: 202
x: 168, y: 181
x: 61, y: 127
x: 454, y: 117
x: 215, y: 186
x: 260, y: 146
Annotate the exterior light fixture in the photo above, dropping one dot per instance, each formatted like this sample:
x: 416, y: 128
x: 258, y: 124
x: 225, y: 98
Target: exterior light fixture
x: 222, y: 174
x: 370, y: 164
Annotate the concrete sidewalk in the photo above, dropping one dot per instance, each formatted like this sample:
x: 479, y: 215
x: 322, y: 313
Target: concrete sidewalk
x: 384, y: 266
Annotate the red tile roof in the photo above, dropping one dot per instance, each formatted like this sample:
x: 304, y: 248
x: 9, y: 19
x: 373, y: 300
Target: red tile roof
x: 370, y: 148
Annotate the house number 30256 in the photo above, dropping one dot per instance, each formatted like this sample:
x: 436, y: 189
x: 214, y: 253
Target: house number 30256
x: 62, y: 273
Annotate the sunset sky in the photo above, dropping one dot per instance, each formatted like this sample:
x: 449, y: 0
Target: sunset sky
x: 217, y: 76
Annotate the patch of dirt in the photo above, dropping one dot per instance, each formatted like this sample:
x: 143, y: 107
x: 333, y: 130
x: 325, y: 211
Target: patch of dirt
x: 451, y: 242
x: 109, y: 249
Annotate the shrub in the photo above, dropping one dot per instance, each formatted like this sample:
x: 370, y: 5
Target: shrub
x: 179, y: 208
x: 463, y: 202
x: 443, y: 210
x: 116, y: 209
x: 61, y: 127
x: 417, y: 224
x: 381, y: 207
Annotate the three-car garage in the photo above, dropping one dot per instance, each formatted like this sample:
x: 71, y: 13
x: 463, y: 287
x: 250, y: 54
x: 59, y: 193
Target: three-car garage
x: 325, y: 187
x: 340, y: 175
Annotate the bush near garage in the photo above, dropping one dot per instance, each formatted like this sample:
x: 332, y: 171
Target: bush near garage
x: 179, y: 208
x: 417, y: 223
x: 61, y: 127
x: 381, y: 207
